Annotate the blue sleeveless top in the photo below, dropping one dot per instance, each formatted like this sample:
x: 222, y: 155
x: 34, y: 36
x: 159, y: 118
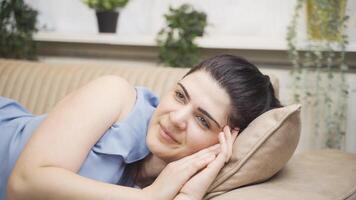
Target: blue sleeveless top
x: 123, y: 143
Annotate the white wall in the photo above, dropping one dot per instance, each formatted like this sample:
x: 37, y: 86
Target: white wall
x: 260, y: 18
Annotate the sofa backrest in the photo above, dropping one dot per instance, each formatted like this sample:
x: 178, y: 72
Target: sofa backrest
x: 39, y: 86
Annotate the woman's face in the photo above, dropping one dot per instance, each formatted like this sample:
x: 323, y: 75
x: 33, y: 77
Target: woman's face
x: 189, y: 118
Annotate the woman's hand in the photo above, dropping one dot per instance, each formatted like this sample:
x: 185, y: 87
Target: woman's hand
x: 170, y: 181
x: 197, y: 186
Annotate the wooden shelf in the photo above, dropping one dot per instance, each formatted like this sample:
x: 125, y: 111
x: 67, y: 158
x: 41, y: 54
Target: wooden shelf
x: 272, y: 51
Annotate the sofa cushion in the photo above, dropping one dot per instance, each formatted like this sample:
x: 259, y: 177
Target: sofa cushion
x: 261, y: 150
x: 326, y: 174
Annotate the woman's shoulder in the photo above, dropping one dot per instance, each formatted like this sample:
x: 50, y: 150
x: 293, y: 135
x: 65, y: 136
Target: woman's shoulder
x: 121, y: 88
x: 131, y: 99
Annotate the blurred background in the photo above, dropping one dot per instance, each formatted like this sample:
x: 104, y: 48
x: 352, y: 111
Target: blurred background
x: 304, y: 43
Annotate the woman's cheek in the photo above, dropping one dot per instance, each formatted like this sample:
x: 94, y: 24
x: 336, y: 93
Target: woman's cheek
x: 199, y: 139
x: 167, y: 104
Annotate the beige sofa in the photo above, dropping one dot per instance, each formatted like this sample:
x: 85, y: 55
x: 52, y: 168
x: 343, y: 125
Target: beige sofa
x: 314, y: 175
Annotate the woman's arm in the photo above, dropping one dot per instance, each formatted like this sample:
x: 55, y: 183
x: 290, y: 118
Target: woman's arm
x: 47, y: 167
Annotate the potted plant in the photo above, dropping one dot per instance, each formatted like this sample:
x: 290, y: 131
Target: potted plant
x: 318, y: 72
x: 17, y: 25
x: 107, y: 13
x: 176, y: 41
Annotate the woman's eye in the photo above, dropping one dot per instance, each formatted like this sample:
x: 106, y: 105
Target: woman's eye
x: 203, y: 121
x: 179, y: 96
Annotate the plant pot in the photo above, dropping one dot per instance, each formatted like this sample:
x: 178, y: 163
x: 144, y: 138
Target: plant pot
x: 107, y: 21
x: 324, y: 19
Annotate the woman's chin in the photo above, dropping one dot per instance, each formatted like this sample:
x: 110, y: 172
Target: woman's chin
x: 163, y: 151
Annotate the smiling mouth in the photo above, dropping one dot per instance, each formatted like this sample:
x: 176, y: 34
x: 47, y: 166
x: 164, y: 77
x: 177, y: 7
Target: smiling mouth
x: 167, y: 136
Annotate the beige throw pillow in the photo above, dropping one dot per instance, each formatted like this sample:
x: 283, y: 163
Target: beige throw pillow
x: 261, y: 150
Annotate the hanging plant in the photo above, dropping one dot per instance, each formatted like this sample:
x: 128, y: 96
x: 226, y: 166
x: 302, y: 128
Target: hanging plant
x: 176, y: 41
x: 17, y: 25
x: 324, y: 18
x: 319, y: 68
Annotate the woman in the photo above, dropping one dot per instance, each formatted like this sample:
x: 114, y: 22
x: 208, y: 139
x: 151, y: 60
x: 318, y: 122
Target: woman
x: 97, y: 143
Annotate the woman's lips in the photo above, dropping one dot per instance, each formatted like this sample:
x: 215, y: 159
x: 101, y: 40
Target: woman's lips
x: 167, y: 136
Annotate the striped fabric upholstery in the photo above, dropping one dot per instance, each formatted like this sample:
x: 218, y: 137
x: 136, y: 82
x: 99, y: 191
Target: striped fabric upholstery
x: 39, y: 86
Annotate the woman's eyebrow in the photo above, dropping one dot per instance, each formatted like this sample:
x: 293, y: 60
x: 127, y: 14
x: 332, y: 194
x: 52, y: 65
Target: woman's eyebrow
x: 200, y: 109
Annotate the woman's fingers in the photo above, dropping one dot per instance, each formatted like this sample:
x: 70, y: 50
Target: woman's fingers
x: 229, y: 141
x: 199, y: 183
x: 224, y: 148
x: 215, y: 149
x: 195, y: 162
x: 177, y: 173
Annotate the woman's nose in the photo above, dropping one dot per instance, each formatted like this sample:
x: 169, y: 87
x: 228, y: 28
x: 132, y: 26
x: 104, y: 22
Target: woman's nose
x: 179, y: 117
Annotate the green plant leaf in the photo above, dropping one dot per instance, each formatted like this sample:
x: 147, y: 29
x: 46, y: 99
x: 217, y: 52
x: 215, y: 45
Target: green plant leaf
x: 176, y: 41
x: 17, y: 25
